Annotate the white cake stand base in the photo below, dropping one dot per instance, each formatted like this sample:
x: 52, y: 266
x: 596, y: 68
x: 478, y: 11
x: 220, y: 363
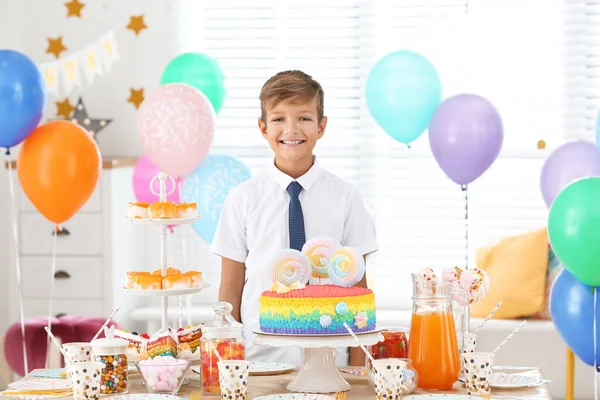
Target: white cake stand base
x: 318, y: 373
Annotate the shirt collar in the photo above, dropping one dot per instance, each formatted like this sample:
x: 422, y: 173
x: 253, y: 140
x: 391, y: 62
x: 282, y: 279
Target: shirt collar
x: 306, y: 180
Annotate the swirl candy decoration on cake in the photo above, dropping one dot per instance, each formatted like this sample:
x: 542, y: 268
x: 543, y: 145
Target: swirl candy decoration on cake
x: 290, y: 266
x: 319, y: 251
x: 346, y: 267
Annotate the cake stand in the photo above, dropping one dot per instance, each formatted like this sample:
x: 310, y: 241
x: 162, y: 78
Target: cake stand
x: 163, y: 225
x: 318, y: 373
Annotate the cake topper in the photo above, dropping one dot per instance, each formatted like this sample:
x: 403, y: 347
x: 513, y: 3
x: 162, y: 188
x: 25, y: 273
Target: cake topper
x: 319, y: 250
x: 346, y: 267
x: 290, y: 266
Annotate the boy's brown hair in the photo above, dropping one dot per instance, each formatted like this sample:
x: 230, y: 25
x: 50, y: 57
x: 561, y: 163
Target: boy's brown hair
x: 290, y: 85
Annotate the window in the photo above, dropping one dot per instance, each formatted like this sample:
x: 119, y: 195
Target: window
x: 525, y: 56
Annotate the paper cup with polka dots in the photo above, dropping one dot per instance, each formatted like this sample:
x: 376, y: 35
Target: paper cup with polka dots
x: 233, y: 379
x: 387, y: 378
x: 77, y: 352
x: 85, y: 377
x: 477, y: 371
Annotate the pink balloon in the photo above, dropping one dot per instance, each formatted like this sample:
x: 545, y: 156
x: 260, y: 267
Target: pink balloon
x: 176, y: 126
x: 143, y: 172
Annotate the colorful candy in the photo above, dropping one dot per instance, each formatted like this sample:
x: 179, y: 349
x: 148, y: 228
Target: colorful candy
x: 228, y: 350
x: 346, y: 267
x: 290, y: 266
x: 114, y: 375
x: 163, y: 374
x: 319, y: 251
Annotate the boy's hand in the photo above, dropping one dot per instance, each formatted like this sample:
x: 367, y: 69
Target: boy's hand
x: 233, y: 277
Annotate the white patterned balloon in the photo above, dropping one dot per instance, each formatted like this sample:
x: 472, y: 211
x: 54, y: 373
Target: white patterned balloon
x: 319, y: 250
x: 290, y: 266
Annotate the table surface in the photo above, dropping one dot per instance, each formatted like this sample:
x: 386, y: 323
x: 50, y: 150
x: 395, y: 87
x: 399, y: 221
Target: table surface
x: 361, y: 389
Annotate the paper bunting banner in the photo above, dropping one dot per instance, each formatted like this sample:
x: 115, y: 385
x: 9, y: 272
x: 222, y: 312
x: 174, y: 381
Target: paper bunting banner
x: 67, y: 72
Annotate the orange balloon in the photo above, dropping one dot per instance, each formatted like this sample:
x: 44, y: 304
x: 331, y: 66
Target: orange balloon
x: 59, y: 166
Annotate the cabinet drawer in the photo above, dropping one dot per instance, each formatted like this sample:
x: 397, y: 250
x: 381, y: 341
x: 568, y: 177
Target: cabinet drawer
x: 82, y: 235
x: 35, y: 308
x: 92, y: 205
x: 75, y: 277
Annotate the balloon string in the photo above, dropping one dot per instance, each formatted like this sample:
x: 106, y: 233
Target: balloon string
x: 52, y: 272
x: 595, y: 363
x: 13, y: 207
x: 467, y: 317
x: 7, y: 152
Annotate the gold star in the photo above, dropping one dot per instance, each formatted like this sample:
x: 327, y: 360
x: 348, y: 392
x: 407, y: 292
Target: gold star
x: 541, y: 144
x: 55, y: 46
x: 64, y: 108
x: 74, y: 8
x: 136, y: 97
x: 136, y: 23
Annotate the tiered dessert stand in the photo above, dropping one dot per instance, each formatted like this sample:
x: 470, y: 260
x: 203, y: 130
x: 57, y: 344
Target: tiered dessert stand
x: 318, y: 373
x: 162, y: 225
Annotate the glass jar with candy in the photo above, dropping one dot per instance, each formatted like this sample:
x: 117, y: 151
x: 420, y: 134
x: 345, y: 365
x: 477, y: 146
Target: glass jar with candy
x: 225, y: 335
x: 111, y: 352
x: 394, y: 345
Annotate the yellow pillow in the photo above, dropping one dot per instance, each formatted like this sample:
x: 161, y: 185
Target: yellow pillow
x: 517, y: 270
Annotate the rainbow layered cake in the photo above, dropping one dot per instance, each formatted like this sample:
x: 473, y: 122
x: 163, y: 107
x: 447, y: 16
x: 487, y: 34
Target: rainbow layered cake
x: 317, y: 310
x: 162, y: 344
x: 297, y: 305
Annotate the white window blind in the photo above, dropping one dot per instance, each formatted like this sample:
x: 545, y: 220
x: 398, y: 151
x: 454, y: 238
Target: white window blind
x: 526, y: 56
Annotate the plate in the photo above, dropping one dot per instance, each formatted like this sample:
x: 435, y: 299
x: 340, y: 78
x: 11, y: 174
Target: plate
x: 259, y: 368
x: 503, y: 380
x: 377, y: 330
x: 296, y: 396
x: 149, y: 396
x: 167, y: 292
x: 172, y: 221
x: 442, y: 397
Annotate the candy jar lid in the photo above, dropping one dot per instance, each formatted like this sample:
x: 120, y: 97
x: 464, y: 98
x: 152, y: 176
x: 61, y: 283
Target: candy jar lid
x: 223, y: 325
x: 109, y: 344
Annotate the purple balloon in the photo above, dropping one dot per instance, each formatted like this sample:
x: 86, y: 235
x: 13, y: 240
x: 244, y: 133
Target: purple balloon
x: 567, y: 163
x: 465, y: 136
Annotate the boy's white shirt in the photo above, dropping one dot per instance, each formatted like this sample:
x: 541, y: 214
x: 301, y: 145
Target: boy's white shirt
x: 253, y: 228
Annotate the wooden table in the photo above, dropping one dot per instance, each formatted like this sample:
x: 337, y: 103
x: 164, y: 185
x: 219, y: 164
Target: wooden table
x: 361, y: 389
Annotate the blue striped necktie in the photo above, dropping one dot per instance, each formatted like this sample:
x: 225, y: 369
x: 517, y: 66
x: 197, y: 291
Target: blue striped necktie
x: 296, y: 218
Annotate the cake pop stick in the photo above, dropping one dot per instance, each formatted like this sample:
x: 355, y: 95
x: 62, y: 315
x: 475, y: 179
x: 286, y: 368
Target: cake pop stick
x: 508, y: 337
x: 105, y: 324
x: 490, y: 315
x: 359, y: 343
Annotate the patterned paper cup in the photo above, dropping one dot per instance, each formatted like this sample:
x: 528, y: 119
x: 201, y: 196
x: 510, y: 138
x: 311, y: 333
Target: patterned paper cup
x: 85, y: 377
x: 477, y: 370
x: 233, y: 379
x: 77, y: 352
x: 387, y: 378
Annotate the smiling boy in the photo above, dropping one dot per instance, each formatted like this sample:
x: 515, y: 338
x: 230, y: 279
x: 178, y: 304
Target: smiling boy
x: 294, y: 200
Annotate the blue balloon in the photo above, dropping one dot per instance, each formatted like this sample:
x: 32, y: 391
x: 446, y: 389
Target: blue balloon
x: 403, y: 90
x: 572, y: 310
x: 209, y: 185
x: 22, y: 97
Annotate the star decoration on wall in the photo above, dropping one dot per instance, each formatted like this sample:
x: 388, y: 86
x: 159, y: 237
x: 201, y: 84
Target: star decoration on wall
x: 541, y: 144
x: 136, y: 97
x: 92, y: 125
x: 74, y: 8
x: 55, y: 46
x: 137, y: 24
x: 64, y: 108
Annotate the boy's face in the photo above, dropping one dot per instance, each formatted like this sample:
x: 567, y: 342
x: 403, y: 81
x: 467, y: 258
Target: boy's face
x: 292, y: 129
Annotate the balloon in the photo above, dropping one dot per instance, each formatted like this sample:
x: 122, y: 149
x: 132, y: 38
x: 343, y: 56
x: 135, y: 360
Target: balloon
x: 572, y: 310
x: 176, y: 125
x: 402, y: 92
x: 143, y: 172
x: 568, y: 162
x: 59, y: 166
x: 22, y: 97
x: 574, y: 229
x: 465, y: 136
x: 200, y: 71
x: 209, y: 185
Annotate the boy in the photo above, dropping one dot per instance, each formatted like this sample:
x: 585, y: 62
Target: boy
x: 295, y: 200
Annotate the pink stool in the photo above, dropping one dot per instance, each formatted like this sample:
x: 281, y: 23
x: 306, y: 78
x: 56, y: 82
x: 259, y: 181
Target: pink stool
x: 86, y: 327
x: 36, y: 343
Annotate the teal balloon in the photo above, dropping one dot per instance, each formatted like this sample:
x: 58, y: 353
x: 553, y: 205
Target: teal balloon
x: 574, y: 229
x: 403, y: 90
x: 200, y: 71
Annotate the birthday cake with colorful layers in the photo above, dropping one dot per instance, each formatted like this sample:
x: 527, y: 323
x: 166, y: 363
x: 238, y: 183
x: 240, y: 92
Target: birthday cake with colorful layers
x: 293, y: 306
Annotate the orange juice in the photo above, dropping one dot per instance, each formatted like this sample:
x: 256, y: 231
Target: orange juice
x: 433, y: 349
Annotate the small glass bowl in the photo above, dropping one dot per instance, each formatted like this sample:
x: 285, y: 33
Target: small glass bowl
x: 161, y: 375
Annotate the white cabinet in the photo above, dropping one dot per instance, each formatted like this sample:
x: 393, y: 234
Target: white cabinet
x: 93, y: 252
